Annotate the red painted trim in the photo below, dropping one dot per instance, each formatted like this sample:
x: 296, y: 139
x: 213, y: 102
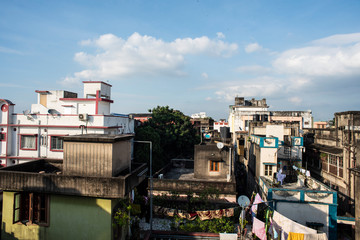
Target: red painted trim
x: 97, y: 82
x: 58, y: 126
x: 86, y: 99
x: 36, y: 142
x: 29, y: 158
x: 78, y: 99
x: 42, y: 92
x: 97, y: 115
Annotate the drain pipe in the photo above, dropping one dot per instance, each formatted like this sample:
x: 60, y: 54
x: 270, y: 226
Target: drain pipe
x: 230, y: 163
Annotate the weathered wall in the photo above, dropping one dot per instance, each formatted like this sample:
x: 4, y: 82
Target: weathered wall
x: 88, y: 159
x: 70, y: 218
x: 202, y: 157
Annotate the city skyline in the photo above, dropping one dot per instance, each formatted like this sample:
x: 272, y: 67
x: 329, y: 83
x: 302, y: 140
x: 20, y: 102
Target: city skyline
x: 194, y: 56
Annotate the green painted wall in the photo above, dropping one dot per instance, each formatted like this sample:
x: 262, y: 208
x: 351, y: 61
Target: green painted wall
x: 70, y: 218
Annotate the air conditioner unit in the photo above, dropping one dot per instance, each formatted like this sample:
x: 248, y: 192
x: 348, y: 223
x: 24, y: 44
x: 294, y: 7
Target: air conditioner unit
x: 83, y: 116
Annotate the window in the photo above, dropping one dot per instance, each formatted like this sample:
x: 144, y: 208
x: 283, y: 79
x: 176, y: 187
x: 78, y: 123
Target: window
x: 2, y: 136
x: 28, y: 142
x: 56, y: 143
x: 268, y: 170
x: 214, y: 166
x: 32, y: 208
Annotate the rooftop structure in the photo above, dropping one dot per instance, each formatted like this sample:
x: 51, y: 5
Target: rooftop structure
x: 211, y: 168
x: 74, y: 198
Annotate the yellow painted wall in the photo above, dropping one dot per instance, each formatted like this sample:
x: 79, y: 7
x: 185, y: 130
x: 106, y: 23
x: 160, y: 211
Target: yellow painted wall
x: 70, y: 218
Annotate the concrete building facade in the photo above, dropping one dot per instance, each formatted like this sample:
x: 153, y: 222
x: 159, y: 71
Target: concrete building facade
x: 36, y: 133
x: 332, y: 152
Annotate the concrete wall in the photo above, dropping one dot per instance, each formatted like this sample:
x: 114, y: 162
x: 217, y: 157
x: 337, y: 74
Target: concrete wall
x: 202, y: 156
x: 309, y: 213
x: 70, y: 218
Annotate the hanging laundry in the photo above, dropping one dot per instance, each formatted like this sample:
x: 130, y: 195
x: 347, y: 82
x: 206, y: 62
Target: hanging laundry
x: 319, y: 236
x: 256, y: 202
x: 204, y: 215
x: 295, y: 236
x: 288, y: 225
x: 261, y: 211
x: 280, y: 176
x: 258, y: 229
x: 277, y: 230
x: 307, y: 173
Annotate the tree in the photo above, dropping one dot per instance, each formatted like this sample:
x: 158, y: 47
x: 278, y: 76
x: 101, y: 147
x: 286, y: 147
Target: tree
x: 172, y: 135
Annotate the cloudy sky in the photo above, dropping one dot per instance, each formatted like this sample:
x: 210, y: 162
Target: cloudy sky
x: 195, y: 56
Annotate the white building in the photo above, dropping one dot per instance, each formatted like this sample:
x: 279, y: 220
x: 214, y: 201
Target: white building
x: 219, y: 124
x: 272, y: 147
x: 199, y: 115
x: 37, y: 133
x: 245, y: 111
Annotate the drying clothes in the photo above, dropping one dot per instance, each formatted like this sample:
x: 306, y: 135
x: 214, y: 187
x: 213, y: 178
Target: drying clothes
x: 258, y: 229
x: 204, y: 215
x: 319, y: 236
x: 273, y: 233
x: 290, y: 226
x: 256, y: 202
x: 276, y: 230
x: 295, y: 236
x: 308, y: 173
x: 188, y: 216
x: 169, y: 212
x: 261, y: 211
x: 229, y: 212
x: 280, y: 176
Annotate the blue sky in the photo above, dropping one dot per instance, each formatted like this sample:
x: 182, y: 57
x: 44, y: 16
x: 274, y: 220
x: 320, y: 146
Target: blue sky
x: 195, y: 56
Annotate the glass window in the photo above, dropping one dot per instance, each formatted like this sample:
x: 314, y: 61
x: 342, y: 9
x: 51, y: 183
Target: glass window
x: 214, y: 166
x: 268, y: 170
x: 32, y: 208
x: 56, y: 143
x: 28, y: 142
x: 2, y: 136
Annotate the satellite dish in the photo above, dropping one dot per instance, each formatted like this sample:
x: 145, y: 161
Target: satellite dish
x: 26, y: 112
x: 243, y: 201
x: 220, y: 145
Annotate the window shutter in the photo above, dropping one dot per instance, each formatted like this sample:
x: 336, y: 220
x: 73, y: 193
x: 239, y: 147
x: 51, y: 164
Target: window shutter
x: 16, y: 209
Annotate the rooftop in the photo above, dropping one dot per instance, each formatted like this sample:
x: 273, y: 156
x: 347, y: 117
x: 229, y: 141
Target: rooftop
x: 98, y: 138
x: 46, y: 176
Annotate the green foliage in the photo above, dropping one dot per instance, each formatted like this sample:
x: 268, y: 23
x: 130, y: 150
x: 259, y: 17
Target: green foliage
x: 171, y: 133
x: 216, y: 225
x: 122, y: 217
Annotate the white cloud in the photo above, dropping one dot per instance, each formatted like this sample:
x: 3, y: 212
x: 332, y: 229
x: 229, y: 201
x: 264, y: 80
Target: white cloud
x: 116, y: 58
x: 204, y: 75
x: 208, y: 99
x: 253, y: 47
x: 337, y: 55
x: 339, y: 39
x: 220, y: 35
x: 259, y: 87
